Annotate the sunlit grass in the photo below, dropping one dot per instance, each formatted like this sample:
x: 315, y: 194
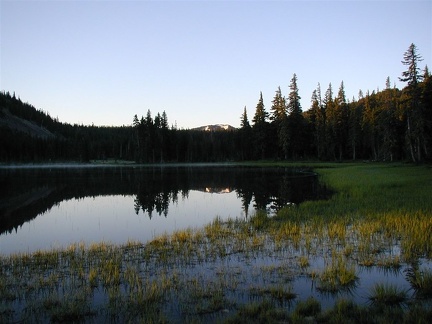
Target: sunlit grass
x: 337, y: 275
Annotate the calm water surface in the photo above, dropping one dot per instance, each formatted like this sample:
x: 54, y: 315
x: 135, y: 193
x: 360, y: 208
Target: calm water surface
x: 42, y: 208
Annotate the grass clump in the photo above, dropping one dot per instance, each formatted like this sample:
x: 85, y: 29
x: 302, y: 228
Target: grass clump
x: 279, y: 293
x: 264, y: 312
x: 260, y: 220
x: 303, y: 262
x: 337, y: 276
x: 345, y: 311
x: 308, y: 308
x: 387, y: 295
x: 421, y: 281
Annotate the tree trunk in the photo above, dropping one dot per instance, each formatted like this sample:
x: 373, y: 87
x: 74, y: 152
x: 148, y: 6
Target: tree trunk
x: 354, y: 150
x: 410, y: 144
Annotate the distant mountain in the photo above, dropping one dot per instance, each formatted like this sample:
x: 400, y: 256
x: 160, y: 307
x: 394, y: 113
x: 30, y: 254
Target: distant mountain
x: 215, y: 128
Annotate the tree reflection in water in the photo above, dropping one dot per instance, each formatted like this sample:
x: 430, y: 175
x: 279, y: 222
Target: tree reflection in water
x: 28, y: 192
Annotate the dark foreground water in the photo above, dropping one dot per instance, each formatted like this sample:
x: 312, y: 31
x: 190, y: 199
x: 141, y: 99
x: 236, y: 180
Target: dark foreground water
x: 54, y: 206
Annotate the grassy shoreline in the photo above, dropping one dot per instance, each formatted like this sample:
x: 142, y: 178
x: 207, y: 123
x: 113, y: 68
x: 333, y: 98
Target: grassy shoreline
x: 380, y: 217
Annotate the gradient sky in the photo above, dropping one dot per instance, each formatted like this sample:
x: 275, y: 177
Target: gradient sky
x: 202, y: 62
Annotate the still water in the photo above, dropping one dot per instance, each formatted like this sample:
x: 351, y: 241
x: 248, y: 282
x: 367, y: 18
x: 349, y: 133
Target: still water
x: 54, y: 206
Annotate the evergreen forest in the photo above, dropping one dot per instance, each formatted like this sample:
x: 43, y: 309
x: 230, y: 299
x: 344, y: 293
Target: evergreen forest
x: 387, y: 125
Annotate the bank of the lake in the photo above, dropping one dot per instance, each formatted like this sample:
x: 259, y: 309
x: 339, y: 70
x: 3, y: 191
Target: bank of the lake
x: 364, y: 255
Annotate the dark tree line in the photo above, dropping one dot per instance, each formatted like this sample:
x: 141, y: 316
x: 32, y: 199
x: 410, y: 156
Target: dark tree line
x: 388, y: 125
x: 31, y: 135
x: 382, y: 125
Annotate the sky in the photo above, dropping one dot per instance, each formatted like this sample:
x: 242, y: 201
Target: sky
x: 101, y: 62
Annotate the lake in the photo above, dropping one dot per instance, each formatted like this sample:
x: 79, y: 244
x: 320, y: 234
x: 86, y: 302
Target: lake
x: 56, y: 205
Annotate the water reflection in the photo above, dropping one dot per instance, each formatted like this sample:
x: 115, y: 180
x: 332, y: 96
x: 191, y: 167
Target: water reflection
x: 42, y: 207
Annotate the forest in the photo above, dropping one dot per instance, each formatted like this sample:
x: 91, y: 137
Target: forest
x: 387, y: 125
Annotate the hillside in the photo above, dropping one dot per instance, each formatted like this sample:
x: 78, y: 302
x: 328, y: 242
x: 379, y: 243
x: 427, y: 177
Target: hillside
x: 15, y: 123
x: 28, y: 134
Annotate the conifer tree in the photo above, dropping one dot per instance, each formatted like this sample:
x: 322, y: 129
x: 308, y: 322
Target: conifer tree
x: 278, y: 108
x: 426, y: 99
x: 296, y: 122
x: 369, y: 124
x: 279, y: 122
x: 341, y: 121
x: 244, y: 121
x: 316, y: 120
x: 261, y: 115
x: 164, y: 120
x: 245, y: 136
x: 354, y: 131
x: 387, y: 122
x: 328, y: 107
x: 260, y: 127
x: 413, y: 111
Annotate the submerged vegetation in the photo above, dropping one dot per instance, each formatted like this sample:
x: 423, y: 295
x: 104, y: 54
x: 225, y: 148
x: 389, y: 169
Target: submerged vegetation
x: 253, y: 270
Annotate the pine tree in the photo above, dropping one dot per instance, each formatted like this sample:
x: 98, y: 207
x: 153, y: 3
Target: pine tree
x: 317, y: 121
x: 164, y: 120
x: 294, y: 107
x: 261, y: 115
x: 369, y: 124
x: 296, y: 122
x: 340, y: 121
x: 279, y: 122
x: 260, y: 127
x: 244, y: 121
x: 411, y: 101
x: 329, y: 110
x: 278, y: 108
x: 137, y: 127
x: 387, y: 122
x: 149, y: 131
x: 245, y: 136
x: 411, y: 58
x: 426, y: 100
x: 354, y: 131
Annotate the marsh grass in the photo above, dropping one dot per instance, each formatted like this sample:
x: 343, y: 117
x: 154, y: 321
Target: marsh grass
x: 387, y: 295
x: 280, y: 292
x: 379, y: 216
x: 338, y: 275
x: 421, y: 281
x: 303, y: 262
x: 308, y: 308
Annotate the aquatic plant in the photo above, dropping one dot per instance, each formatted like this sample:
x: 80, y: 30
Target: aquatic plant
x: 259, y: 220
x: 303, y: 261
x: 280, y: 292
x: 337, y: 275
x: 387, y: 294
x: 421, y: 281
x: 307, y: 308
x: 263, y: 312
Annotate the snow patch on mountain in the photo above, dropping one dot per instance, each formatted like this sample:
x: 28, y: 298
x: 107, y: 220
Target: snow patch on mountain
x: 215, y: 128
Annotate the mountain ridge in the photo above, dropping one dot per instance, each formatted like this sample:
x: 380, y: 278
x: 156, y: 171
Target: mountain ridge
x: 215, y: 128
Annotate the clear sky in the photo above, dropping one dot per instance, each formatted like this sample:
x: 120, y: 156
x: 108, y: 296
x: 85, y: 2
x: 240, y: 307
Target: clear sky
x: 202, y: 62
